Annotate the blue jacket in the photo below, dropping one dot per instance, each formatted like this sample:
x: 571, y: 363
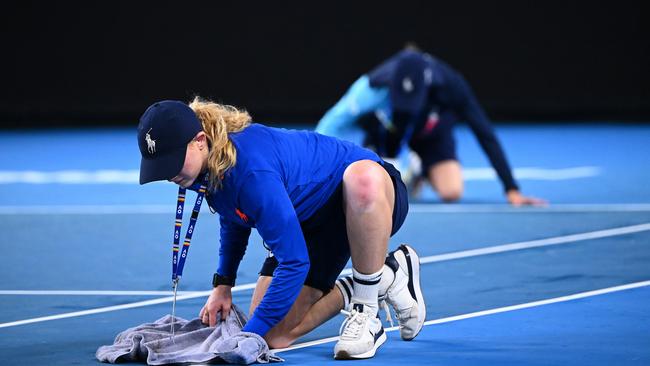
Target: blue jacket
x: 280, y: 179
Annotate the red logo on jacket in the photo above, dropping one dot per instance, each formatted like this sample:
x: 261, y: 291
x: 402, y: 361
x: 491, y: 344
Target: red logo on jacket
x: 241, y: 215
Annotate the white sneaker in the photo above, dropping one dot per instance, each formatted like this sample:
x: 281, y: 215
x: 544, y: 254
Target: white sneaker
x: 360, y: 335
x: 404, y: 294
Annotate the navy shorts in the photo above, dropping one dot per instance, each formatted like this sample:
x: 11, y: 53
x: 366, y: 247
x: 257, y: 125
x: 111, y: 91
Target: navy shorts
x: 437, y: 145
x: 432, y: 146
x: 326, y: 235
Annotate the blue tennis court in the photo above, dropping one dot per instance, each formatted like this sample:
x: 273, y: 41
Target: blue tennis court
x: 87, y: 252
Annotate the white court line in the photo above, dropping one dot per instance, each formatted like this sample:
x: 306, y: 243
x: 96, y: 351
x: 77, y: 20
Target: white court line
x: 414, y: 208
x: 94, y: 293
x: 71, y: 176
x: 534, y: 173
x: 120, y: 307
x: 506, y: 208
x: 131, y: 176
x: 423, y: 260
x: 85, y: 209
x: 537, y: 243
x: 504, y: 309
x: 430, y: 259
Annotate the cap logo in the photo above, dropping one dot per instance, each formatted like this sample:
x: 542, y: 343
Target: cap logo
x: 428, y: 76
x: 407, y: 85
x: 151, y: 144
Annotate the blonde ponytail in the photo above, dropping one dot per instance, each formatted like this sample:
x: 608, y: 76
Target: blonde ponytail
x: 218, y: 120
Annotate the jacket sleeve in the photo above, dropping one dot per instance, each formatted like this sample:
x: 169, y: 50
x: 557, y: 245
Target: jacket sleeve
x: 468, y: 107
x: 264, y: 199
x: 234, y: 239
x: 341, y: 120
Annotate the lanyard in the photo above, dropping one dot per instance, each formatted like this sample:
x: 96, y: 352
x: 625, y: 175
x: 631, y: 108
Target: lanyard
x: 179, y: 263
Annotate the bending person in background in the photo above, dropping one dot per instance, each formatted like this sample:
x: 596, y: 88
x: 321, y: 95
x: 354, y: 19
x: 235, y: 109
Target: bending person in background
x: 410, y: 104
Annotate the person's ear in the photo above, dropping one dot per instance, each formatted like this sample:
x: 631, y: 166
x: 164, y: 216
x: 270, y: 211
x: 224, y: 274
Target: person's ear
x: 202, y: 140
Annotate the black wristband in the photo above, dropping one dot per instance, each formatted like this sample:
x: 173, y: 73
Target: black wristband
x: 218, y: 279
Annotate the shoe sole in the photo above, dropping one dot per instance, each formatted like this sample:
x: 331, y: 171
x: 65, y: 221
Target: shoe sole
x: 413, y: 265
x: 343, y: 355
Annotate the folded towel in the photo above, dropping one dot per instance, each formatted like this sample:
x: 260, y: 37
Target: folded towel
x: 193, y: 342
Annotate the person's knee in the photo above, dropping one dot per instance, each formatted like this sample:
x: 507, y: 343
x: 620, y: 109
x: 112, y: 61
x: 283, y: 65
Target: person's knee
x: 450, y: 194
x: 447, y: 181
x: 364, y: 185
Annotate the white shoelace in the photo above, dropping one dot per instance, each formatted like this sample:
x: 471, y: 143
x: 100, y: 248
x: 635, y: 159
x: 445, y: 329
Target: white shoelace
x: 353, y: 325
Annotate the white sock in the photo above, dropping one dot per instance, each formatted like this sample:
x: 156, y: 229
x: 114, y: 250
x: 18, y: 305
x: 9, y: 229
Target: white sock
x: 346, y: 287
x: 366, y: 288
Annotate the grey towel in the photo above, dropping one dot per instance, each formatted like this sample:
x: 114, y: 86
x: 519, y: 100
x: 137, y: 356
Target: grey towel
x: 193, y: 342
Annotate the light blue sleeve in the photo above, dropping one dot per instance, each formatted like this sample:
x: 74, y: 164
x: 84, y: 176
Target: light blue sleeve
x: 361, y: 98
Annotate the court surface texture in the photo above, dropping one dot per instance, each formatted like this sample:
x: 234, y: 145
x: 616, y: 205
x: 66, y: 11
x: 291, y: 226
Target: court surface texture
x: 87, y: 251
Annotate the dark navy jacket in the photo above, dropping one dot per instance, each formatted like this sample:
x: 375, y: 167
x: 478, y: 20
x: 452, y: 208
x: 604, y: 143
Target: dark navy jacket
x: 447, y: 91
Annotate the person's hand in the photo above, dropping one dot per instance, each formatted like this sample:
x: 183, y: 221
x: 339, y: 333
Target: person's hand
x: 219, y: 302
x: 515, y: 198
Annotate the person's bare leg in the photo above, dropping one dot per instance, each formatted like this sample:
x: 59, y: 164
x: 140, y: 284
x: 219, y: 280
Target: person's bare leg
x: 323, y: 310
x: 368, y: 200
x: 261, y: 286
x: 446, y: 178
x: 310, y: 310
x: 369, y: 197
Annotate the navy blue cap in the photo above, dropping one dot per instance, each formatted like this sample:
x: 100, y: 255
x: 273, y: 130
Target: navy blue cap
x: 409, y: 87
x: 164, y: 131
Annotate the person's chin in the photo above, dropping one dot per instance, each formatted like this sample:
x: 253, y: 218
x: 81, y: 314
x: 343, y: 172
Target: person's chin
x: 188, y: 183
